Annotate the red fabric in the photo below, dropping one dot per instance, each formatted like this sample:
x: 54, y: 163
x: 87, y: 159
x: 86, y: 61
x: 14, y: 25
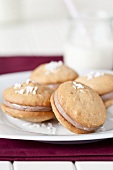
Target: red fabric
x: 20, y: 150
x: 12, y: 150
x: 24, y: 63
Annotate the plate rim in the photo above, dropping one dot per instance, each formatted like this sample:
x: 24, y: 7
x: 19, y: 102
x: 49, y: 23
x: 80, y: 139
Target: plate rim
x: 58, y: 138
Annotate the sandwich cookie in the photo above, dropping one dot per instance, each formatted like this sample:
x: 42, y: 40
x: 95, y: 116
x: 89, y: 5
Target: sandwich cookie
x: 102, y: 83
x: 78, y: 108
x: 28, y: 101
x: 53, y: 74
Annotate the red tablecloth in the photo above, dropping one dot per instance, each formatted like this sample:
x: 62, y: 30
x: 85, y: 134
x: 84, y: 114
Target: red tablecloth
x: 12, y: 64
x: 11, y: 150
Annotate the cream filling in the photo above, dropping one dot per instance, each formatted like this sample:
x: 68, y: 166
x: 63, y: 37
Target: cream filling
x: 107, y: 96
x: 28, y: 108
x: 68, y: 118
x: 53, y: 86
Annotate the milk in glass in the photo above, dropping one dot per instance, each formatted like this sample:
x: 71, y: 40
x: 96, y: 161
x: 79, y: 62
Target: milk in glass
x: 89, y: 44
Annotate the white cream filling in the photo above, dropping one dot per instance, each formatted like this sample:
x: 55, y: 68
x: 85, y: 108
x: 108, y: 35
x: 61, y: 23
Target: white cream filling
x: 53, y: 86
x: 68, y: 118
x: 28, y: 108
x: 107, y: 96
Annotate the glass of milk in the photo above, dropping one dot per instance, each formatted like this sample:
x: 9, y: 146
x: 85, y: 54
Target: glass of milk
x: 89, y: 44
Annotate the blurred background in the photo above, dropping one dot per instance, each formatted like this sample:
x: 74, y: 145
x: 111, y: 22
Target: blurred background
x: 39, y: 27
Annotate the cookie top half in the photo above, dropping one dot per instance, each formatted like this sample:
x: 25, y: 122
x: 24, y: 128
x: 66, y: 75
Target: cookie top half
x: 29, y: 93
x: 81, y: 103
x: 52, y: 73
x: 102, y: 83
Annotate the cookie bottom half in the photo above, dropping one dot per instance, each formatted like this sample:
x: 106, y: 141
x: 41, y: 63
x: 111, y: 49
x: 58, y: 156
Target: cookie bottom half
x: 28, y: 116
x: 108, y: 103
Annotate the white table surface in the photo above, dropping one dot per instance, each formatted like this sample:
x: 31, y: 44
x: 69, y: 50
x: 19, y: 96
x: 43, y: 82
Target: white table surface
x: 37, y: 165
x: 45, y: 37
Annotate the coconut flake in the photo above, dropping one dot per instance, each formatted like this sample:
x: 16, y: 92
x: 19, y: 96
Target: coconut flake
x: 35, y: 89
x: 17, y: 85
x: 50, y: 125
x: 52, y: 66
x: 77, y: 85
x: 43, y: 125
x: 92, y: 75
x: 29, y: 80
x: 82, y: 91
x: 29, y: 89
x: 21, y: 91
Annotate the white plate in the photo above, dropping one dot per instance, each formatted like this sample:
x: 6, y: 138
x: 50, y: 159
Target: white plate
x: 51, y: 131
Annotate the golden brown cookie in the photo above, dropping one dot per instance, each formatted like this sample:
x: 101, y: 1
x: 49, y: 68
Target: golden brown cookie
x: 108, y: 103
x: 28, y: 101
x: 53, y: 74
x: 78, y: 108
x: 102, y: 83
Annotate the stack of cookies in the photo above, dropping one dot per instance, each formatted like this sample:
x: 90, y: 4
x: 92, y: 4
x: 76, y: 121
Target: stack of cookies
x: 56, y: 91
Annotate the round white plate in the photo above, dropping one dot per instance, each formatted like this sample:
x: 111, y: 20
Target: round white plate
x: 51, y: 131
